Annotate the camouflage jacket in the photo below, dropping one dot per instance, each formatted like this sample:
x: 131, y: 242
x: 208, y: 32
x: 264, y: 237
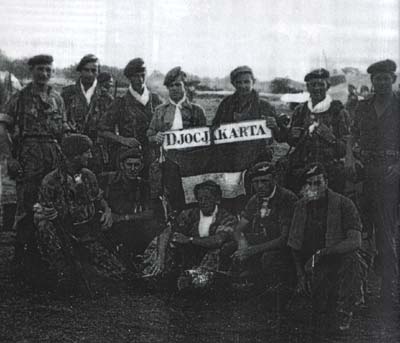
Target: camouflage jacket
x: 83, y: 117
x: 130, y: 117
x: 32, y: 114
x: 75, y: 197
x: 313, y: 148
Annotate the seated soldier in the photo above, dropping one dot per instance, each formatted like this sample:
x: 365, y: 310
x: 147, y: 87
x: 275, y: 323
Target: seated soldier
x: 263, y: 229
x: 135, y: 221
x: 190, y: 249
x: 325, y: 237
x: 71, y: 216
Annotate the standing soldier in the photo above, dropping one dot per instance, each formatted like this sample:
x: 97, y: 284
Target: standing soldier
x: 129, y: 117
x: 377, y: 133
x: 37, y: 122
x: 318, y: 131
x: 85, y: 105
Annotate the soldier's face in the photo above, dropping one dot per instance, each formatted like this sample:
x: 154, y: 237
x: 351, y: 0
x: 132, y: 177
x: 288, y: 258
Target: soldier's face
x: 137, y: 81
x: 263, y: 185
x: 132, y: 167
x: 89, y: 72
x: 41, y: 73
x: 207, y: 201
x: 383, y: 82
x: 315, y: 187
x: 176, y: 90
x: 243, y: 83
x: 107, y: 85
x: 317, y: 89
x: 84, y: 158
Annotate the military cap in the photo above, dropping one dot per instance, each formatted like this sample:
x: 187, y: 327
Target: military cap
x: 313, y: 169
x: 104, y: 76
x: 261, y: 169
x: 40, y: 59
x: 75, y: 144
x: 126, y: 152
x: 210, y: 185
x: 317, y: 74
x: 386, y: 66
x: 173, y: 74
x: 85, y: 60
x: 240, y: 70
x: 135, y: 66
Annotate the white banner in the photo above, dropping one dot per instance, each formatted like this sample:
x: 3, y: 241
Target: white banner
x: 226, y: 133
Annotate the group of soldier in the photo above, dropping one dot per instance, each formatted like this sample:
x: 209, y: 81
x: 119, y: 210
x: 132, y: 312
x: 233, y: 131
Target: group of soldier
x: 86, y: 166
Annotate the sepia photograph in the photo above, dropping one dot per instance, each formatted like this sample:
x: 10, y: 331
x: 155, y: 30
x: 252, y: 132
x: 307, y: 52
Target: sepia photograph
x: 195, y: 171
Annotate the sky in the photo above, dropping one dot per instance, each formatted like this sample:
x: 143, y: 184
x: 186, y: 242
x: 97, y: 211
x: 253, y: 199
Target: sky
x: 284, y: 38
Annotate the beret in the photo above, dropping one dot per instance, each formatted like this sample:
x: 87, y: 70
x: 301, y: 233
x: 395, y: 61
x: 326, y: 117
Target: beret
x: 212, y: 186
x: 134, y: 66
x: 75, y: 144
x: 104, y: 77
x: 386, y: 66
x: 261, y: 169
x: 85, y: 60
x: 173, y: 74
x: 240, y: 70
x: 125, y: 153
x: 40, y: 59
x: 317, y: 74
x: 313, y: 169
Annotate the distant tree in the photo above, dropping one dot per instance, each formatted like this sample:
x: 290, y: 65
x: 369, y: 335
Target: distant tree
x: 351, y: 70
x: 281, y: 85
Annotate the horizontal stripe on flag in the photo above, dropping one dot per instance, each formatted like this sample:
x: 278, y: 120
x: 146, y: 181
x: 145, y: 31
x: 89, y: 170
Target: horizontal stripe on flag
x: 232, y: 184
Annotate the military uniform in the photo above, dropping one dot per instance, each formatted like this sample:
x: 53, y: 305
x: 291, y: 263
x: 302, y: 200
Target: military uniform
x: 132, y: 119
x: 275, y: 266
x: 379, y: 141
x: 76, y: 230
x: 310, y: 147
x: 137, y: 219
x: 85, y: 118
x: 336, y: 279
x: 37, y: 122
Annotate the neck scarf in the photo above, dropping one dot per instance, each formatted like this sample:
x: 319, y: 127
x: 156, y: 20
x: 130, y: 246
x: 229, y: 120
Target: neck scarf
x: 177, y: 124
x: 322, y: 106
x: 89, y: 93
x: 206, y: 221
x: 142, y: 98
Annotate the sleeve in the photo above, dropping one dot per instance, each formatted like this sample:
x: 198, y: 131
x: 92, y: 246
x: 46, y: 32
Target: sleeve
x: 342, y: 130
x: 111, y: 117
x: 295, y: 122
x: 11, y: 110
x: 350, y: 216
x: 155, y: 124
x: 250, y: 211
x: 62, y: 109
x: 200, y: 116
x: 95, y: 193
x: 228, y: 222
x: 217, y: 120
x: 287, y: 214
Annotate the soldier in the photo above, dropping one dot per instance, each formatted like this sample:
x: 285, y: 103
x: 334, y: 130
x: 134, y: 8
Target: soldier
x: 129, y: 117
x: 319, y: 132
x: 325, y: 237
x: 136, y: 218
x: 245, y: 104
x: 105, y: 82
x: 71, y: 216
x: 37, y: 121
x: 191, y: 251
x: 263, y: 229
x: 176, y: 114
x: 352, y: 101
x: 86, y: 104
x: 377, y: 134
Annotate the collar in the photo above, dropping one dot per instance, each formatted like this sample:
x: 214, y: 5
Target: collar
x: 142, y: 98
x: 183, y: 102
x: 271, y: 196
x: 89, y: 93
x: 322, y: 106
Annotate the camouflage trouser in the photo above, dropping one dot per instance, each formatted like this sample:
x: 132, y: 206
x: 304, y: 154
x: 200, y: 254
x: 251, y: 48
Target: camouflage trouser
x: 337, y: 282
x: 38, y: 157
x: 61, y: 259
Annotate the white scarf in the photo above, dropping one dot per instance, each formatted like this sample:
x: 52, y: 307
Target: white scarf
x: 205, y: 222
x: 142, y: 98
x: 89, y: 93
x: 177, y: 124
x: 321, y: 106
